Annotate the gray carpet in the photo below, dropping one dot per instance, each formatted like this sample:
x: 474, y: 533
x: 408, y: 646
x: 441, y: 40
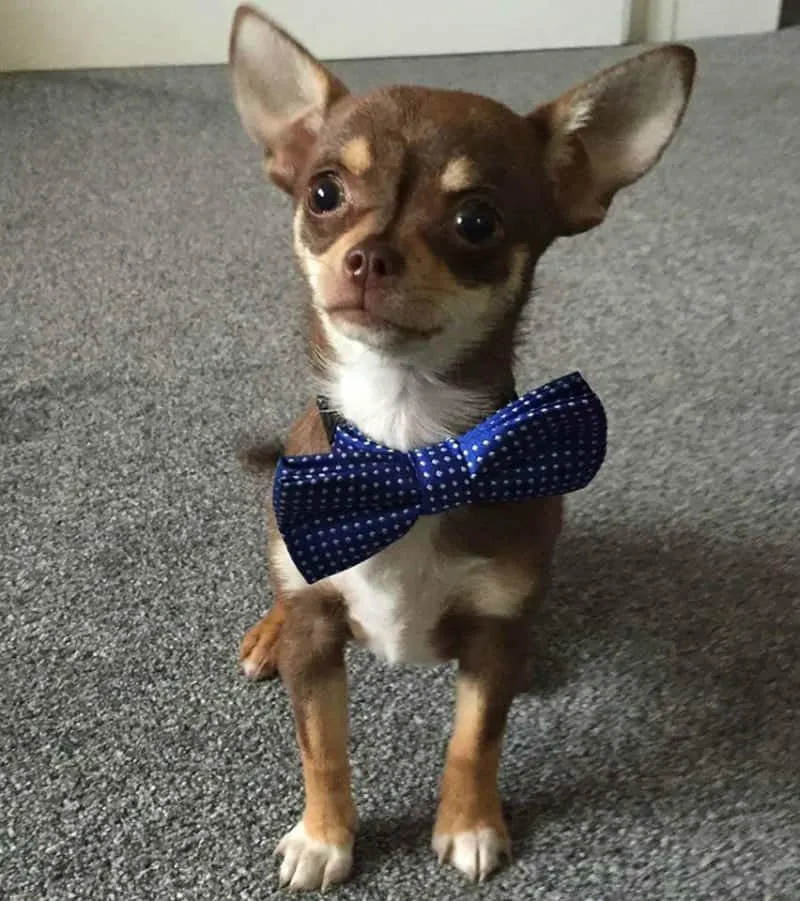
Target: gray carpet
x: 149, y: 316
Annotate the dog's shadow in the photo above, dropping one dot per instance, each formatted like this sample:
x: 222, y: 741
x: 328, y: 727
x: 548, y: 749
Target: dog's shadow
x: 713, y: 630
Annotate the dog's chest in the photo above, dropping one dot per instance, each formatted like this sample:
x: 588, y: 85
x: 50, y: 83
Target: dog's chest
x: 398, y: 597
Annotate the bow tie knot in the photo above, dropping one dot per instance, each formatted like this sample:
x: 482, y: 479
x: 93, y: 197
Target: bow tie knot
x: 443, y: 477
x: 335, y: 510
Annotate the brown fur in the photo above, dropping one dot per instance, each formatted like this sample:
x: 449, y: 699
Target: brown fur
x: 311, y: 664
x: 490, y: 652
x: 402, y: 201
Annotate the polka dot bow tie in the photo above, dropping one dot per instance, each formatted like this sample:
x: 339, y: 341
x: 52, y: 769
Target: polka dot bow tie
x: 336, y: 509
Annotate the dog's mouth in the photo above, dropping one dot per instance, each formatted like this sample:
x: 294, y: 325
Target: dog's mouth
x: 377, y: 322
x: 361, y: 318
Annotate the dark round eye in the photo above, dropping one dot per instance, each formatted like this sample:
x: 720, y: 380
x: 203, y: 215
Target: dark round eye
x: 325, y: 194
x: 476, y: 222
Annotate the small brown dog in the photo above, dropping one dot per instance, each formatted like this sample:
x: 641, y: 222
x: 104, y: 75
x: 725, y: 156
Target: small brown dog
x: 420, y: 215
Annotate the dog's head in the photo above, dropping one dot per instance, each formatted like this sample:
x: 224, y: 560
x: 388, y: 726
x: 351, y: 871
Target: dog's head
x: 420, y: 213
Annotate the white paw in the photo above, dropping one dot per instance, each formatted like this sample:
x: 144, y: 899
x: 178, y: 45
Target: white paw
x: 477, y: 853
x: 309, y: 865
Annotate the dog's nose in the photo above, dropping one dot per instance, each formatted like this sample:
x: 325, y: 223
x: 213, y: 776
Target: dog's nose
x: 372, y: 260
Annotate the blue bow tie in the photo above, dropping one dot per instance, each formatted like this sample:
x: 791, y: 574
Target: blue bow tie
x: 336, y: 509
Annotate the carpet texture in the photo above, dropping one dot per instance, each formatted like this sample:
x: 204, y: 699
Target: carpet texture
x: 150, y: 315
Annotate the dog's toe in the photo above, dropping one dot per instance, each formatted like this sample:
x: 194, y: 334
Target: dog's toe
x: 476, y: 853
x: 310, y: 865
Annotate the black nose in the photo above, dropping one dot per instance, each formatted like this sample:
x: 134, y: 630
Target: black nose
x: 372, y: 260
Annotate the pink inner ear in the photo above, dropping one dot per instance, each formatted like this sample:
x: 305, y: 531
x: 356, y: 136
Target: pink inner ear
x: 291, y: 153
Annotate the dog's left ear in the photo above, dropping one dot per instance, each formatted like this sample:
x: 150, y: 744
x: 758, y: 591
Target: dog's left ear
x: 606, y: 133
x: 282, y: 92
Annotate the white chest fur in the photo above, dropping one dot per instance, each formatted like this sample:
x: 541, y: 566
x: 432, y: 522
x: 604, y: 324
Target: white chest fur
x: 399, y: 595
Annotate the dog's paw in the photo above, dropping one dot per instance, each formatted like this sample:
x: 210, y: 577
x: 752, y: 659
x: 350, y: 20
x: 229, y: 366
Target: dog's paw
x: 476, y: 852
x: 309, y: 865
x: 258, y: 654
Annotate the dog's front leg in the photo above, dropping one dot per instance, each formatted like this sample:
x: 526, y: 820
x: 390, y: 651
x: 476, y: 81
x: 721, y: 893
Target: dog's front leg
x: 319, y: 850
x: 470, y: 830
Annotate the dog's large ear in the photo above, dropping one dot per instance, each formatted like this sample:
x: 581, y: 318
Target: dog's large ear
x: 282, y: 92
x: 606, y: 133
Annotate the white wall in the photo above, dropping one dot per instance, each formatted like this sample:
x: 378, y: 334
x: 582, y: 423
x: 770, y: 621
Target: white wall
x: 685, y: 20
x: 55, y: 34
x: 52, y: 34
x: 60, y: 34
x: 718, y: 17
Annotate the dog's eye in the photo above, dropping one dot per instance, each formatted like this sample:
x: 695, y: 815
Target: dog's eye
x: 476, y: 222
x: 325, y: 194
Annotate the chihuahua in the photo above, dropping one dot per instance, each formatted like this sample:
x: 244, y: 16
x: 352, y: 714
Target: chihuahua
x: 419, y: 217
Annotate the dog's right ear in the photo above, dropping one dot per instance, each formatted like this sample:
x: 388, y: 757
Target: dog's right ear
x: 282, y: 92
x: 609, y: 131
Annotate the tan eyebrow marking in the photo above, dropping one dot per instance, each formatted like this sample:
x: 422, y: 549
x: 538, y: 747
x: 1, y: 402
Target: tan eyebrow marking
x: 458, y: 174
x: 356, y: 155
